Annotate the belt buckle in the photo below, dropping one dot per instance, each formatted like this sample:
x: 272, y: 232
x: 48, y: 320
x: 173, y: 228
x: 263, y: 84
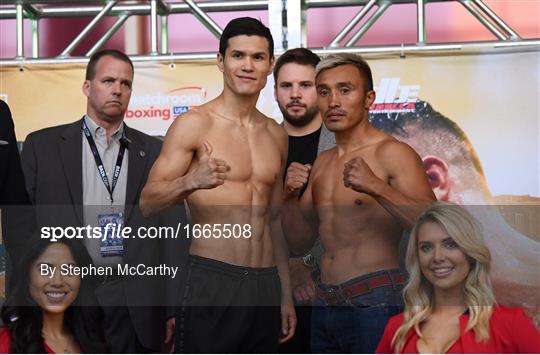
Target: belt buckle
x: 331, y: 297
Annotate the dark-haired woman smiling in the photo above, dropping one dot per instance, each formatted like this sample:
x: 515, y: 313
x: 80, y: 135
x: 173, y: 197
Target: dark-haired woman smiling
x: 48, y: 312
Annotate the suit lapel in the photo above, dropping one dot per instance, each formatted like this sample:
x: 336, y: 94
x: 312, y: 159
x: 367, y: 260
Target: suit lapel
x: 71, y: 156
x: 138, y: 157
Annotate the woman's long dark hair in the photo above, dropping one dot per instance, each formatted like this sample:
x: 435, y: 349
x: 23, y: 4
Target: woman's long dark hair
x: 24, y: 317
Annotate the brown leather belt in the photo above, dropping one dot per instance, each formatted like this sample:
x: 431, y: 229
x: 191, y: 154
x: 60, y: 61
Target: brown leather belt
x: 335, y: 295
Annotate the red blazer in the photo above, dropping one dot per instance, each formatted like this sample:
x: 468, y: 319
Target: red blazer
x: 510, y: 331
x: 5, y: 342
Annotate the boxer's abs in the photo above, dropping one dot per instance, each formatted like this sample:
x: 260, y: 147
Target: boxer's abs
x: 352, y: 249
x: 231, y: 224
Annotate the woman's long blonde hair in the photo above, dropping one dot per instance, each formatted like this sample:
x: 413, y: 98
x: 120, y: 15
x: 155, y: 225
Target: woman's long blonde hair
x: 478, y: 294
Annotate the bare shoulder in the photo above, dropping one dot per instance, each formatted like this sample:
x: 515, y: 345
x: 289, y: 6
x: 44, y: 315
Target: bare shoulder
x: 183, y: 138
x: 276, y: 130
x: 194, y: 118
x: 326, y: 155
x: 392, y: 151
x: 323, y: 158
x: 188, y: 128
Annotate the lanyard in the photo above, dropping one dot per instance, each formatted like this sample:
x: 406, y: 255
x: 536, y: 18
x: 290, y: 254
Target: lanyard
x: 99, y: 163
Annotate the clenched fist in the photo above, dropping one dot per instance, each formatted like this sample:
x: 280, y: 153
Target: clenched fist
x: 210, y: 172
x: 296, y: 179
x: 358, y: 176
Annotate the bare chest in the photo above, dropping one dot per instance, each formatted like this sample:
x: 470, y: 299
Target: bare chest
x: 328, y: 185
x: 252, y: 154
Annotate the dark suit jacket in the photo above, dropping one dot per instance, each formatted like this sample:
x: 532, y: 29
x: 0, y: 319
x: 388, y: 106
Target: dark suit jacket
x: 52, y: 163
x: 17, y: 213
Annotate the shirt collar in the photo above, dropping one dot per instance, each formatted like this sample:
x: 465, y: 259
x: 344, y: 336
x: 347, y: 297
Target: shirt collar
x: 98, y: 131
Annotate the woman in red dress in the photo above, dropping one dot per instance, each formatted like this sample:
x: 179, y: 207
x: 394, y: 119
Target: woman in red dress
x: 449, y: 302
x: 50, y: 311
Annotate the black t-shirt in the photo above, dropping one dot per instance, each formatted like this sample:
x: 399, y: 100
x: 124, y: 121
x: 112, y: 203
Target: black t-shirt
x: 303, y: 149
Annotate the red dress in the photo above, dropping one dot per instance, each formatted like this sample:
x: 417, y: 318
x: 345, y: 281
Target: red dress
x: 5, y: 342
x: 510, y: 331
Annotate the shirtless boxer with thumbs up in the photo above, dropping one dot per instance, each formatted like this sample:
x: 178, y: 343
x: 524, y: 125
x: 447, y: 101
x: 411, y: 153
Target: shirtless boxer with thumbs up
x: 226, y: 159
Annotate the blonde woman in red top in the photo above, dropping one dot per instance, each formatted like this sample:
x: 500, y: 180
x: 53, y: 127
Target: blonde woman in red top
x: 449, y: 303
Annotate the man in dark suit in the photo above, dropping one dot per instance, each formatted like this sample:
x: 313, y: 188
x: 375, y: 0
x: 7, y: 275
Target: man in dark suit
x: 17, y: 214
x: 91, y: 172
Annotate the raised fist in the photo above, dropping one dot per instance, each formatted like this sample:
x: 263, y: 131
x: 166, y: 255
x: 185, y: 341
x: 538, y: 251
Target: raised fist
x: 358, y: 176
x: 296, y: 179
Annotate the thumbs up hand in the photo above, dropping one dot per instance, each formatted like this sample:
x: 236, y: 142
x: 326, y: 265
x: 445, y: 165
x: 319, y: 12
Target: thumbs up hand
x: 210, y: 172
x: 204, y: 151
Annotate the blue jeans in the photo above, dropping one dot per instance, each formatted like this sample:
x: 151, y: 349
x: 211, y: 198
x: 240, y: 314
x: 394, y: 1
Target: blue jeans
x: 354, y: 325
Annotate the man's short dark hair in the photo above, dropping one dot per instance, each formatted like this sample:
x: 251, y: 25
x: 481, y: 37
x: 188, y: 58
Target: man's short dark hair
x: 247, y: 26
x: 300, y: 56
x: 91, y: 67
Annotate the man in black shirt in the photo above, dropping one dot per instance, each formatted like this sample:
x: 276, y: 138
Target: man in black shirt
x: 294, y: 76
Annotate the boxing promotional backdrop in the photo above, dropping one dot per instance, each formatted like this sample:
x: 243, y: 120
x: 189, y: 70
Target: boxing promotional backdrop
x: 491, y: 97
